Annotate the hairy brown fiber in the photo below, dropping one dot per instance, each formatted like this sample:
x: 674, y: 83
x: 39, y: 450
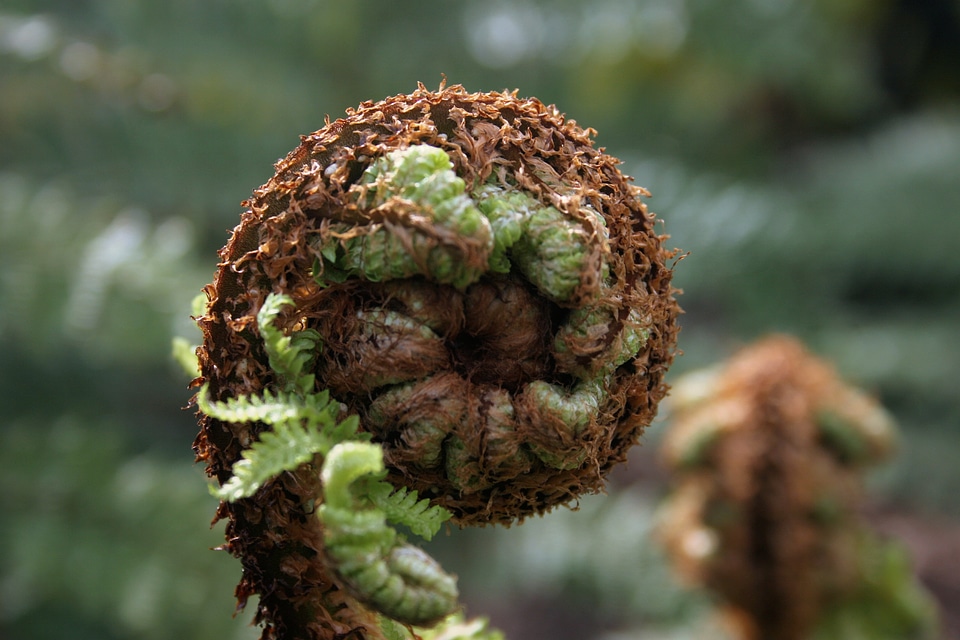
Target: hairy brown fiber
x: 500, y: 380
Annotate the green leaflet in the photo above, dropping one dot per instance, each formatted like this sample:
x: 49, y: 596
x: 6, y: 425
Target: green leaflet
x: 431, y: 226
x: 587, y: 328
x: 380, y: 327
x: 402, y: 506
x: 270, y: 407
x: 184, y: 351
x: 507, y: 212
x: 552, y: 253
x: 391, y: 630
x: 395, y: 578
x: 550, y: 249
x: 302, y: 428
x: 888, y: 604
x: 289, y: 355
x: 855, y: 432
x: 429, y: 431
x: 304, y: 422
x: 575, y: 408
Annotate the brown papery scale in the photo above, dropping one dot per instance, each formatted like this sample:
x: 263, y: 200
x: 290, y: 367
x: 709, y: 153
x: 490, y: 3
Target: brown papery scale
x: 493, y: 302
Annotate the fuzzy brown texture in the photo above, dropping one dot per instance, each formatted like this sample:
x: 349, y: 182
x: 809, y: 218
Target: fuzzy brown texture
x: 484, y: 344
x: 765, y: 510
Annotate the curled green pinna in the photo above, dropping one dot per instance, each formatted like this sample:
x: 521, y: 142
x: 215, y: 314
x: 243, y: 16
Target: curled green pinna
x: 487, y: 297
x: 421, y: 223
x: 398, y: 579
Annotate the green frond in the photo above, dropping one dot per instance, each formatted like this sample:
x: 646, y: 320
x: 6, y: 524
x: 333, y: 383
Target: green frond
x: 289, y: 445
x: 285, y: 448
x: 304, y: 423
x: 394, y: 578
x: 344, y: 466
x: 401, y: 506
x: 302, y: 428
x: 291, y: 355
x: 269, y: 408
x: 507, y: 212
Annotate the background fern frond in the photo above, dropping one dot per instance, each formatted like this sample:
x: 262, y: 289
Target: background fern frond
x: 291, y: 355
x: 402, y: 506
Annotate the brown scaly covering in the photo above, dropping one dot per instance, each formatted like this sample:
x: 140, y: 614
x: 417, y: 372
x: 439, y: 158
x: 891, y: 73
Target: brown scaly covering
x: 768, y: 453
x: 447, y: 388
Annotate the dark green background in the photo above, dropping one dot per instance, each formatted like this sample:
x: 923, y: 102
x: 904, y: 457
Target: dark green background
x: 806, y: 153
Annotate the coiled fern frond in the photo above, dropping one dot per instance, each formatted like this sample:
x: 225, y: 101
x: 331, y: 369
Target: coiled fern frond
x: 398, y: 579
x: 478, y: 284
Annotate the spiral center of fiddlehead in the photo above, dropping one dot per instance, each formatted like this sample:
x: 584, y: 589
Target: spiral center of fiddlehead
x: 455, y: 374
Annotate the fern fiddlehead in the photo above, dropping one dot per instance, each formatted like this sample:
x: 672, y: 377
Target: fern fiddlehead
x: 476, y: 285
x: 768, y: 451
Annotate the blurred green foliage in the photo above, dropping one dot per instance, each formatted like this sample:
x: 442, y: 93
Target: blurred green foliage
x: 804, y: 153
x: 104, y: 544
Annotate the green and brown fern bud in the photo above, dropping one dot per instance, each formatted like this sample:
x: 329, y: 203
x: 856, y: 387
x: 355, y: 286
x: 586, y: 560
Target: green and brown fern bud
x: 488, y: 295
x: 768, y: 452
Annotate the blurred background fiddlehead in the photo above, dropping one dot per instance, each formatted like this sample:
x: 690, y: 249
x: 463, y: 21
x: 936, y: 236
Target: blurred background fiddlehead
x: 769, y: 451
